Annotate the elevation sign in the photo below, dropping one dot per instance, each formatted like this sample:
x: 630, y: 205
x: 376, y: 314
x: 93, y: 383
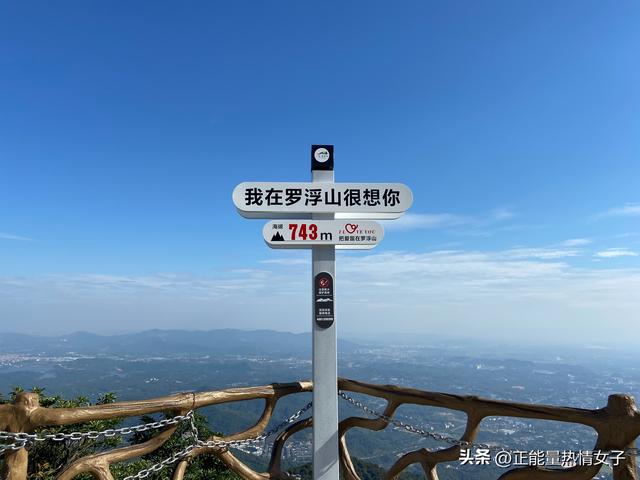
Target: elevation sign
x: 306, y: 234
x: 358, y: 200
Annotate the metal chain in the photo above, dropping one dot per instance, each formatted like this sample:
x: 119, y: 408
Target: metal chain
x: 214, y: 443
x: 410, y: 428
x: 22, y: 439
x: 252, y: 440
x: 440, y: 436
x: 13, y: 446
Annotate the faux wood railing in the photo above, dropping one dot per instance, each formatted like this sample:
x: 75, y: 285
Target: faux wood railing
x: 617, y: 426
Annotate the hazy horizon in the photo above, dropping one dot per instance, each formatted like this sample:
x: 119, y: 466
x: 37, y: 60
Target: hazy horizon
x: 382, y: 337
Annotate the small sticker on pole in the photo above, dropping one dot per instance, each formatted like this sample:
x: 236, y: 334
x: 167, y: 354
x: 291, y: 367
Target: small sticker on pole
x: 323, y: 299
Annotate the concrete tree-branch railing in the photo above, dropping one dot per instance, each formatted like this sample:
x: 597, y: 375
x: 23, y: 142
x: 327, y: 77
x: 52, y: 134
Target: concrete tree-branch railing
x: 617, y: 426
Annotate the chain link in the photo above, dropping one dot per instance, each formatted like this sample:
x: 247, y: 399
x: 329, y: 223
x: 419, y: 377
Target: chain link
x: 410, y: 428
x: 440, y: 437
x: 21, y: 440
x: 214, y: 443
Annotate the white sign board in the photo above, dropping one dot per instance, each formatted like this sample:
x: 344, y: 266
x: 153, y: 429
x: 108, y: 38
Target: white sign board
x: 306, y: 234
x: 352, y: 200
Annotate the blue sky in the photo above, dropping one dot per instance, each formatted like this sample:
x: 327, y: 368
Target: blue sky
x: 125, y: 126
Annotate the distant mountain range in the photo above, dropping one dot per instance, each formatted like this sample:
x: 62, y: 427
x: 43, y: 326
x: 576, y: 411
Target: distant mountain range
x: 167, y: 343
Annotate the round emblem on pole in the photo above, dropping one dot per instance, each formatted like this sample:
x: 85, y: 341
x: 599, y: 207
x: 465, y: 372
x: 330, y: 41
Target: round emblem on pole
x: 321, y: 155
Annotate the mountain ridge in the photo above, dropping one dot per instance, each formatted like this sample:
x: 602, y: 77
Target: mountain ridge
x: 167, y: 342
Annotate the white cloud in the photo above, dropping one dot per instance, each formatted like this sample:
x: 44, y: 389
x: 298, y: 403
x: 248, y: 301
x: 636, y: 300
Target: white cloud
x: 576, y: 242
x: 427, y: 221
x: 414, y: 221
x: 534, y: 293
x: 616, y: 252
x: 628, y: 210
x: 626, y: 235
x: 500, y: 214
x: 540, y: 253
x: 10, y: 236
x: 286, y: 261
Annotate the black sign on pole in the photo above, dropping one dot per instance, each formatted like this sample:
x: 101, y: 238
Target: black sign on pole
x: 322, y: 157
x: 323, y: 299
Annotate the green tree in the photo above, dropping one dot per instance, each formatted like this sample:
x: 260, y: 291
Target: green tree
x: 202, y: 467
x: 47, y: 459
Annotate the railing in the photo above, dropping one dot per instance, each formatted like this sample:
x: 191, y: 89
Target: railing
x: 617, y: 426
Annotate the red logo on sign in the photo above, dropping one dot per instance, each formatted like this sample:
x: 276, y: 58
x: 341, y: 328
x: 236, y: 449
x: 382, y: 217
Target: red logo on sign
x: 324, y: 282
x: 351, y: 227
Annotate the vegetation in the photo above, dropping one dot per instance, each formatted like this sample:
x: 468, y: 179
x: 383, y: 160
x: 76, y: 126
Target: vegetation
x: 48, y: 459
x: 203, y: 467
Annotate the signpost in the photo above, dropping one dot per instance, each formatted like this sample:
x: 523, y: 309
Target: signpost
x: 323, y: 216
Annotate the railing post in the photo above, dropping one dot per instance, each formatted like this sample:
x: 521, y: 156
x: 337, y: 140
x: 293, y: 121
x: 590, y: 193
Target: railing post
x: 17, y: 462
x: 625, y: 407
x: 15, y: 465
x: 628, y: 468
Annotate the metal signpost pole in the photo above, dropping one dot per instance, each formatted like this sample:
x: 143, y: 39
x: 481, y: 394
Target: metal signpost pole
x: 325, y: 363
x: 305, y: 216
